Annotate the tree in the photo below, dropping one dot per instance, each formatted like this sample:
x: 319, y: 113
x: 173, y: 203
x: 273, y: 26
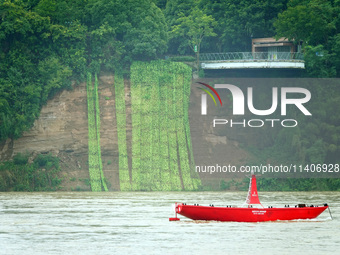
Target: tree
x: 319, y: 61
x: 240, y: 20
x: 37, y: 58
x: 175, y: 9
x: 139, y: 25
x: 316, y: 24
x: 194, y: 27
x: 63, y: 12
x: 45, y: 44
x: 311, y: 21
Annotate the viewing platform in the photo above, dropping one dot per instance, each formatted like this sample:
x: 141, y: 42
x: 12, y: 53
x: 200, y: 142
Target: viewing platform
x: 245, y: 60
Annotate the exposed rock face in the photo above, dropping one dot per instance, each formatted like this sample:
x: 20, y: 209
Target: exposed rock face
x: 62, y: 129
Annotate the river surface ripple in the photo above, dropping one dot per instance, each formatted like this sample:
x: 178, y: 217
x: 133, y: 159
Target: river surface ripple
x: 138, y: 223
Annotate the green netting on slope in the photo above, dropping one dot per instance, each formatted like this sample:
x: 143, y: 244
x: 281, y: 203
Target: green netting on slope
x: 135, y: 90
x: 165, y: 173
x: 97, y: 179
x: 124, y: 176
x: 103, y: 182
x: 162, y: 157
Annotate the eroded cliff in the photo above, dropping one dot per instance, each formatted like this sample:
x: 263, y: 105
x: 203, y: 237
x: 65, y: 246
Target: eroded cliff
x: 62, y: 129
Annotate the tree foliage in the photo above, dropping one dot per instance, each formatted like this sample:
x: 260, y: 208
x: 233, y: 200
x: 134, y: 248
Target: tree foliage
x: 175, y: 9
x: 37, y: 58
x: 139, y: 25
x: 44, y: 44
x: 21, y: 175
x: 239, y: 21
x: 194, y: 28
x: 316, y: 24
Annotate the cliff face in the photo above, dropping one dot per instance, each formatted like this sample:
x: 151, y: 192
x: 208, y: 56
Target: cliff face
x: 62, y: 129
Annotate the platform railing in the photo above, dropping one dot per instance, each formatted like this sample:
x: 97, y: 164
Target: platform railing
x: 235, y: 56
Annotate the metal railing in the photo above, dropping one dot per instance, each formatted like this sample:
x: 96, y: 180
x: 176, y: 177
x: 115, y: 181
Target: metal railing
x: 268, y: 56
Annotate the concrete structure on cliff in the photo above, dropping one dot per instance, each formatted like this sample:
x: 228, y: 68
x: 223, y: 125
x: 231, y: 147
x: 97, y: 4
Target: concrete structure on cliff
x: 266, y: 53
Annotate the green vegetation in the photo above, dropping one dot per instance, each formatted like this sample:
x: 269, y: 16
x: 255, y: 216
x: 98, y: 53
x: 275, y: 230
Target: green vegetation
x: 38, y: 57
x: 45, y: 44
x: 48, y: 45
x: 161, y: 159
x: 95, y: 160
x: 316, y: 24
x: 194, y: 27
x: 124, y: 175
x: 21, y: 175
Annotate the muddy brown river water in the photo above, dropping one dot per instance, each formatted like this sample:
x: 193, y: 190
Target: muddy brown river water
x: 138, y: 223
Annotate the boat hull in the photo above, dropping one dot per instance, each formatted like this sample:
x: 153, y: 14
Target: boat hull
x: 240, y: 214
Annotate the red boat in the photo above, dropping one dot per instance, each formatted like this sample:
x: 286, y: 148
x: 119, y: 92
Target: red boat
x: 253, y: 212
